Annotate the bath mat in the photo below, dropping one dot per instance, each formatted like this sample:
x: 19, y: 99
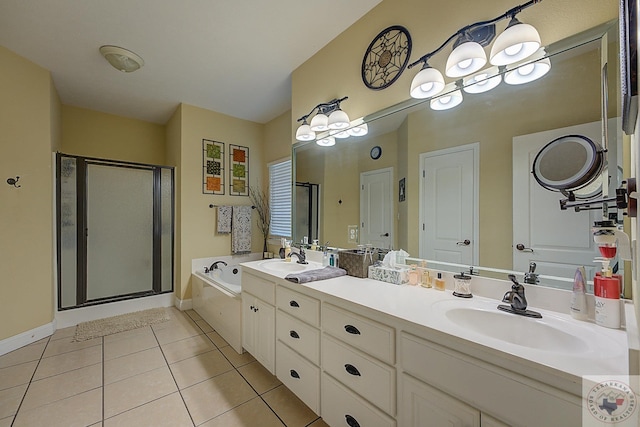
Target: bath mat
x: 124, y: 322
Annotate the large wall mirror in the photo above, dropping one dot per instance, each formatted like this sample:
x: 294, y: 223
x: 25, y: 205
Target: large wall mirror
x: 491, y: 140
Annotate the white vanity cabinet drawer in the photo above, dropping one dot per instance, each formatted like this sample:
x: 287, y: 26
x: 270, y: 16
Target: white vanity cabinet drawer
x: 299, y: 336
x: 342, y: 408
x: 369, y: 336
x: 259, y: 286
x: 299, y: 375
x: 301, y: 306
x: 373, y: 380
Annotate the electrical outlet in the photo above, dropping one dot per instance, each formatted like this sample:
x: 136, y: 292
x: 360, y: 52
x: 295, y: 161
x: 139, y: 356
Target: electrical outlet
x: 352, y: 233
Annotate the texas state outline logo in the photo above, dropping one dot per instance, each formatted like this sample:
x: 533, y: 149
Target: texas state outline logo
x: 611, y: 402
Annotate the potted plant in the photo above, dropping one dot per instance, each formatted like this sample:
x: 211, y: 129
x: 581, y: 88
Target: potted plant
x: 260, y: 201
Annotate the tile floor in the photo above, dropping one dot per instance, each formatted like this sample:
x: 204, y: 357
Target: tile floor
x: 176, y: 373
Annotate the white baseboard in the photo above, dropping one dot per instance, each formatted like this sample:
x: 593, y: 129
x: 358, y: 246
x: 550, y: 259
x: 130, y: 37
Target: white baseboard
x: 26, y: 338
x: 74, y: 316
x: 183, y: 304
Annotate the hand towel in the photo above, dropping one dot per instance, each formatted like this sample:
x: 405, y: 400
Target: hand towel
x: 241, y: 230
x: 328, y: 272
x: 224, y: 219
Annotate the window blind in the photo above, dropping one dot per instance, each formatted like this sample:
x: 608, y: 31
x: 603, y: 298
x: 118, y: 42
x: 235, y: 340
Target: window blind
x: 280, y: 198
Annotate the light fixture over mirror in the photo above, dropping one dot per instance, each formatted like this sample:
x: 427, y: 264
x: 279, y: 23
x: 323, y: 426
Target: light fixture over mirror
x: 329, y: 122
x: 517, y: 43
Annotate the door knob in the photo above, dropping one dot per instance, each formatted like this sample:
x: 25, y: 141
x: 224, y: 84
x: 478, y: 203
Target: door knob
x: 522, y: 248
x: 384, y: 235
x: 465, y: 242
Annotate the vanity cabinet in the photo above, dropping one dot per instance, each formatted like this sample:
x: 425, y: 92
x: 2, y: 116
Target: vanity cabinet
x: 259, y: 319
x: 298, y: 345
x: 359, y: 353
x: 423, y: 405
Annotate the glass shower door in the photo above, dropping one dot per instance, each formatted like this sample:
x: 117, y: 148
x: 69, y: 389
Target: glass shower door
x: 119, y: 230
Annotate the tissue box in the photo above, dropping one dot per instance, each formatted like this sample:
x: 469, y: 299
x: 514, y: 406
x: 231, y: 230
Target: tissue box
x: 397, y: 276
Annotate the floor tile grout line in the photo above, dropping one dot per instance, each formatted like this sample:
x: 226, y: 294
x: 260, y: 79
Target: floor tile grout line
x: 15, y: 416
x: 174, y: 378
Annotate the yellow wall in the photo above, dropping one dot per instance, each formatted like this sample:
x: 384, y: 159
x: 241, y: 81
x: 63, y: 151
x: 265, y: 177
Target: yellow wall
x: 94, y: 134
x: 334, y: 71
x: 28, y: 134
x: 197, y: 237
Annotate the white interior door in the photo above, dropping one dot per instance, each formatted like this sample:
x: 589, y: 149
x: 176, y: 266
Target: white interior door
x: 449, y: 205
x: 557, y: 241
x: 376, y: 208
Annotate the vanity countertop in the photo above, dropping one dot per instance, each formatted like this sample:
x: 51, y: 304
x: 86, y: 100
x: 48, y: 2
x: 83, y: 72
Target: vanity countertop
x: 595, y: 350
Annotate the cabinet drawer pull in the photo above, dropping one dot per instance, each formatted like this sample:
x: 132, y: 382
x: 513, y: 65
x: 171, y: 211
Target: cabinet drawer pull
x: 351, y: 421
x: 351, y: 329
x: 251, y: 307
x: 294, y: 334
x: 293, y: 303
x: 352, y: 370
x: 294, y: 374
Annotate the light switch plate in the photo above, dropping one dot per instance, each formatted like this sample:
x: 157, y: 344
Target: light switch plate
x: 352, y: 231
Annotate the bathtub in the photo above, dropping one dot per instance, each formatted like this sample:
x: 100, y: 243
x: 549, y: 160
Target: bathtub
x: 217, y: 299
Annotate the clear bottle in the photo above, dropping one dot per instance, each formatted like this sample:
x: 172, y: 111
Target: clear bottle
x: 287, y: 251
x: 325, y: 259
x: 413, y: 275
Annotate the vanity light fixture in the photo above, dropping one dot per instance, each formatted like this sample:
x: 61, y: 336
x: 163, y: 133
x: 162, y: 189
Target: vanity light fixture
x: 518, y: 42
x: 528, y: 71
x: 329, y: 123
x: 452, y: 97
x: 482, y: 81
x: 122, y: 59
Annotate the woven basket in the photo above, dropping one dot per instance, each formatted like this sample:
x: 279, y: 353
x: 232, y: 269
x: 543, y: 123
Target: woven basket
x: 357, y: 263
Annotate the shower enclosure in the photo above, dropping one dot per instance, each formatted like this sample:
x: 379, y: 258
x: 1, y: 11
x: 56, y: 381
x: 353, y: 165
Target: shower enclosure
x: 114, y: 229
x: 307, y: 201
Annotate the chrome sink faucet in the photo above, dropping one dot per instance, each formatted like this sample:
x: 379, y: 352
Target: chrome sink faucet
x: 517, y: 300
x: 302, y: 257
x: 214, y: 266
x: 531, y: 277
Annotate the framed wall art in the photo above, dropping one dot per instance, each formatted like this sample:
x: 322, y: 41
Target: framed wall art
x: 238, y: 170
x: 212, y: 167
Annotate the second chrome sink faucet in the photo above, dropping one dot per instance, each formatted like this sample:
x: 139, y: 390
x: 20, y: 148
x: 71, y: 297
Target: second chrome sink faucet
x: 517, y: 301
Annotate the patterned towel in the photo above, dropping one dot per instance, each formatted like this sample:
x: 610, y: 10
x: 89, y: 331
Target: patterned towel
x: 224, y: 219
x: 327, y: 272
x: 241, y: 230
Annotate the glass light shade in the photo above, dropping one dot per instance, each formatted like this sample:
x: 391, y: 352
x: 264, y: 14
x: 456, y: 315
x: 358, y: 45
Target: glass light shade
x: 465, y: 59
x: 428, y: 82
x: 319, y: 123
x: 482, y: 81
x: 517, y: 42
x: 528, y: 72
x: 327, y: 141
x: 304, y: 133
x: 359, y: 130
x: 340, y: 133
x: 338, y: 120
x: 447, y: 101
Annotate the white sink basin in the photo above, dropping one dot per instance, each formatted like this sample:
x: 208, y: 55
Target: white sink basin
x: 518, y: 330
x: 479, y: 320
x: 279, y: 265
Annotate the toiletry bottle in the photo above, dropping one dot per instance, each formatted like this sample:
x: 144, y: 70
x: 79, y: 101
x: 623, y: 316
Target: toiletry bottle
x: 425, y: 278
x: 578, y: 307
x: 331, y: 260
x: 314, y: 245
x: 287, y: 251
x: 325, y: 259
x: 439, y: 283
x: 413, y: 275
x: 606, y: 290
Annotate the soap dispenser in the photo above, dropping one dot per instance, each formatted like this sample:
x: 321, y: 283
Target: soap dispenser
x: 287, y: 251
x: 606, y: 290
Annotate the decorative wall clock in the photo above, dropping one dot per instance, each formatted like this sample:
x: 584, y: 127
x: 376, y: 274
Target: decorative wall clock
x: 386, y: 57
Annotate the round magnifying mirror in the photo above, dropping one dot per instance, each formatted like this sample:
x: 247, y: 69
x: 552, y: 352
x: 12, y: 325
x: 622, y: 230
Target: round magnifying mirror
x: 571, y: 163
